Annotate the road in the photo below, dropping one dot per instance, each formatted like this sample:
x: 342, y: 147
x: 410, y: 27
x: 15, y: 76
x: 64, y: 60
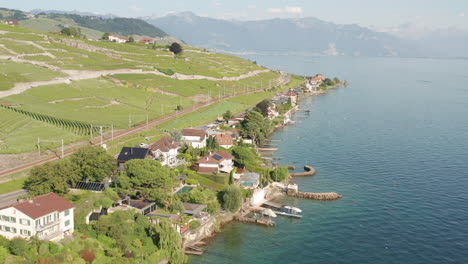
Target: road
x: 9, y: 198
x: 284, y: 79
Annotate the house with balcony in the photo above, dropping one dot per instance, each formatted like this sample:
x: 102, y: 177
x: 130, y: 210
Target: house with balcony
x: 224, y: 140
x: 48, y: 216
x: 165, y: 150
x: 194, y: 137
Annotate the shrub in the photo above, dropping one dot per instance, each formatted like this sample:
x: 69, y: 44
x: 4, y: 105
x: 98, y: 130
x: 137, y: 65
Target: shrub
x: 87, y: 255
x: 194, y: 225
x: 232, y: 198
x: 191, y: 181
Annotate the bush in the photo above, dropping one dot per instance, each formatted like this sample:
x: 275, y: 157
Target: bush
x: 194, y: 225
x: 191, y: 181
x: 167, y: 71
x: 18, y: 246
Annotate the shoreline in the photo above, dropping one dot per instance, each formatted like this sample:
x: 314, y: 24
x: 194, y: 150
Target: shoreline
x: 230, y: 217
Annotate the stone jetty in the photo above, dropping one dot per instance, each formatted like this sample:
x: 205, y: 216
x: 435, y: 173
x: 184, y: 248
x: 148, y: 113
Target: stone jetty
x: 316, y: 196
x: 309, y: 171
x: 262, y: 221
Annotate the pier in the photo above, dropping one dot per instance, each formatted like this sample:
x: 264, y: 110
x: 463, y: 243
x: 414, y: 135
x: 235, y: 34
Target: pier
x: 309, y: 171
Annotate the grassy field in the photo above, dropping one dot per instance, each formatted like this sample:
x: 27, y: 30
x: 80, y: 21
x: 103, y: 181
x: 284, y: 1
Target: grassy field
x: 11, y: 186
x: 13, y: 72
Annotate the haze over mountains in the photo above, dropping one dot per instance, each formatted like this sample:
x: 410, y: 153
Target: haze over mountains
x: 308, y: 36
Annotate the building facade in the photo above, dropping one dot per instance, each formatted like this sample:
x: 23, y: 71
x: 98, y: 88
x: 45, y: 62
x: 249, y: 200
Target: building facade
x: 194, y: 137
x: 49, y: 217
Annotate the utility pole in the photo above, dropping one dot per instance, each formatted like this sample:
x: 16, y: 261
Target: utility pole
x: 51, y: 141
x: 147, y: 119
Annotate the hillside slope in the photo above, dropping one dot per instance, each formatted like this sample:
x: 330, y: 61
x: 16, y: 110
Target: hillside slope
x: 92, y: 26
x: 76, y: 85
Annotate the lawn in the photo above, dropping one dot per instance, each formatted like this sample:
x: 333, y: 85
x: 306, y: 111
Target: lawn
x: 11, y: 186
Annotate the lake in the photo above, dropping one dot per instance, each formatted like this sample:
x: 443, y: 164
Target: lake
x: 394, y: 143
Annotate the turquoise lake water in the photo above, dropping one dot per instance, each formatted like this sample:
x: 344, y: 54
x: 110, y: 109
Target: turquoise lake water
x: 394, y: 143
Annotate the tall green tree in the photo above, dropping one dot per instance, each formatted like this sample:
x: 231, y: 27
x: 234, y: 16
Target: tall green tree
x: 227, y: 115
x: 232, y: 198
x: 52, y: 177
x: 176, y: 48
x: 94, y: 163
x: 244, y: 156
x: 167, y: 238
x: 151, y: 178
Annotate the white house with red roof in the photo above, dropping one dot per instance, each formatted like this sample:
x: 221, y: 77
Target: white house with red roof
x: 224, y: 140
x: 48, y: 216
x: 118, y: 39
x: 219, y: 161
x: 194, y: 137
x: 165, y: 150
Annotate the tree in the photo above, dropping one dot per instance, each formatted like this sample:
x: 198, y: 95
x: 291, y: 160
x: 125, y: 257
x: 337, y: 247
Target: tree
x: 212, y: 144
x: 71, y: 31
x: 94, y: 162
x: 232, y: 198
x: 280, y: 174
x: 227, y: 115
x: 105, y: 36
x: 257, y: 127
x: 151, y: 178
x: 176, y: 48
x: 167, y: 238
x: 176, y: 134
x: 244, y: 156
x: 52, y: 177
x: 18, y: 246
x: 263, y: 107
x: 87, y: 255
x: 131, y: 40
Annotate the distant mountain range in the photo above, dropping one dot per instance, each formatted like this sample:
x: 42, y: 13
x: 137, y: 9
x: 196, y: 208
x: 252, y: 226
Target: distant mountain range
x: 305, y: 36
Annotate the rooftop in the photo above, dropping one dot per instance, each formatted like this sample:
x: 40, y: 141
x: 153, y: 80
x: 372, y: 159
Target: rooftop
x: 165, y: 144
x: 42, y: 205
x: 193, y: 209
x: 215, y: 158
x: 190, y: 132
x: 129, y: 153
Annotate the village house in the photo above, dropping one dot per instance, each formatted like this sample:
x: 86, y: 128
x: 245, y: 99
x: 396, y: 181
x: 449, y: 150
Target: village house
x: 293, y: 97
x: 313, y: 83
x: 118, y: 39
x: 12, y: 22
x: 129, y: 153
x: 146, y: 41
x: 49, y: 217
x: 272, y: 113
x: 165, y: 150
x: 224, y: 140
x: 216, y: 162
x: 194, y: 137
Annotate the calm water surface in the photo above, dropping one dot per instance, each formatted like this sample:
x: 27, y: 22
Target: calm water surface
x: 394, y: 143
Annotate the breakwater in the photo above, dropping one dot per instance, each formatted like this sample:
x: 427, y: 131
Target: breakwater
x: 261, y: 221
x: 316, y: 196
x: 309, y: 171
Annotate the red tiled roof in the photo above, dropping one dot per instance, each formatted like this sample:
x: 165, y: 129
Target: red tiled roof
x: 43, y: 205
x: 223, y: 139
x: 189, y: 132
x: 215, y: 158
x: 165, y: 144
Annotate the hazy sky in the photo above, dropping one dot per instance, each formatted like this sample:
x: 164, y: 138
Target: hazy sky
x: 376, y: 13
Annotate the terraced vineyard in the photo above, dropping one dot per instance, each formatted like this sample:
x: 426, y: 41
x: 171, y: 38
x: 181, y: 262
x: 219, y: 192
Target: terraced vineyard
x: 56, y: 85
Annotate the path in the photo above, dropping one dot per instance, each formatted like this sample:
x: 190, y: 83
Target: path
x: 284, y: 79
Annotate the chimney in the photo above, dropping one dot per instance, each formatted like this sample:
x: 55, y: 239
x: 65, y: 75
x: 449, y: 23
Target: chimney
x: 207, y: 158
x: 30, y: 201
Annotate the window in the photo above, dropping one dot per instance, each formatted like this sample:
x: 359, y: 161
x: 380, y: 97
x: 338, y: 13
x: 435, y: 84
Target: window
x: 67, y: 223
x: 6, y: 228
x: 13, y: 230
x: 13, y: 219
x: 1, y: 228
x: 38, y: 223
x: 25, y: 232
x: 25, y: 221
x: 5, y: 218
x: 67, y: 212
